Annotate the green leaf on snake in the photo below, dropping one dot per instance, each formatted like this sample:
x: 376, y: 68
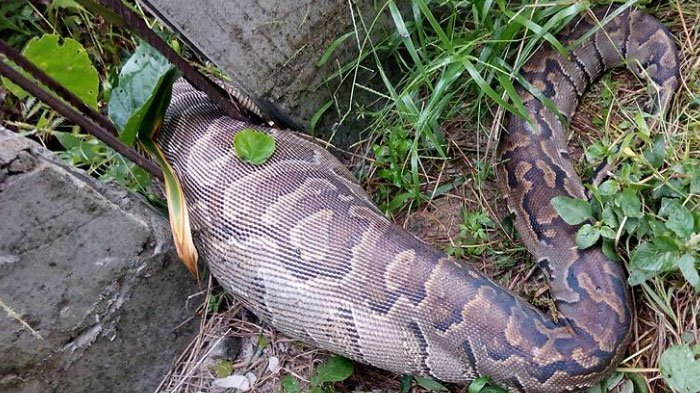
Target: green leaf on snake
x: 254, y: 147
x: 572, y: 210
x: 335, y: 369
x: 587, y: 236
x: 680, y: 367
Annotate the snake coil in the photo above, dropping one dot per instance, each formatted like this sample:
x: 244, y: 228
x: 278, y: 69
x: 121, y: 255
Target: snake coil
x: 301, y: 244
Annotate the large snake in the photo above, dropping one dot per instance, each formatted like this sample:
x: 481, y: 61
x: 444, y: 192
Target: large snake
x: 302, y: 245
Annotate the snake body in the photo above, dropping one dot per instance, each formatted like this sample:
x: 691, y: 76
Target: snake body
x: 302, y: 245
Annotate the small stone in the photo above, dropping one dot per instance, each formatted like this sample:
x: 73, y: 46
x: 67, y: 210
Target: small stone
x: 273, y: 364
x: 235, y: 381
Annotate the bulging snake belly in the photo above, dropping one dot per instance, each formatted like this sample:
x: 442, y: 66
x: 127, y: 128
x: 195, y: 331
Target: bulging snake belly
x: 302, y: 245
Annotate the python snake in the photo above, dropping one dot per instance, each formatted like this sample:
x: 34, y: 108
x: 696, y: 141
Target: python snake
x: 302, y: 245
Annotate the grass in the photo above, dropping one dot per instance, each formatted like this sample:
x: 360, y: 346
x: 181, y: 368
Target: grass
x: 428, y: 151
x: 443, y: 79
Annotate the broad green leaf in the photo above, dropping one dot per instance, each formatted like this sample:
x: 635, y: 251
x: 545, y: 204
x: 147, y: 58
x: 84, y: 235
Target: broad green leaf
x: 430, y: 384
x: 67, y: 62
x: 289, y: 384
x: 138, y: 103
x: 648, y: 257
x: 573, y: 211
x: 680, y: 219
x: 587, y: 236
x: 666, y: 243
x: 680, y: 367
x: 648, y: 260
x: 254, y: 147
x: 607, y: 232
x: 609, y: 250
x: 609, y: 218
x: 689, y: 270
x: 334, y: 369
x: 608, y: 187
x: 629, y: 203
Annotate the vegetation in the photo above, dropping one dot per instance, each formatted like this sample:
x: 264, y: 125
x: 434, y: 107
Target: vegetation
x: 445, y: 77
x: 434, y: 140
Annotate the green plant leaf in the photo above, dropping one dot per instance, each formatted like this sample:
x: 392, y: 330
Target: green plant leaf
x: 694, y: 180
x: 680, y: 367
x: 137, y: 105
x: 430, y: 384
x: 480, y: 385
x: 648, y: 260
x: 587, y: 236
x: 317, y: 116
x: 253, y: 147
x: 67, y: 62
x: 639, y: 383
x: 629, y: 203
x: 476, y: 385
x: 609, y: 218
x: 687, y: 267
x: 332, y: 47
x: 680, y: 219
x: 609, y: 250
x: 608, y: 187
x: 573, y: 211
x: 406, y: 381
x: 289, y: 384
x: 607, y: 232
x: 334, y: 369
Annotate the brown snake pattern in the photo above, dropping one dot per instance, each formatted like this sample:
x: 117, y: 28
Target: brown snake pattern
x: 303, y: 246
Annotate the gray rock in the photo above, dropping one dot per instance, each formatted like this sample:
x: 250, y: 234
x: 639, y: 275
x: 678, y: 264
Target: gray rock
x: 92, y: 295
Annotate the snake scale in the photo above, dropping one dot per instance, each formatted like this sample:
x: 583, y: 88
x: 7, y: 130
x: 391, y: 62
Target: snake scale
x: 302, y: 245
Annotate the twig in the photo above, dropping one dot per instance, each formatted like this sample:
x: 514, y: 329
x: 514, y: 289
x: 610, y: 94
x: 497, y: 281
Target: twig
x: 72, y: 115
x: 13, y: 314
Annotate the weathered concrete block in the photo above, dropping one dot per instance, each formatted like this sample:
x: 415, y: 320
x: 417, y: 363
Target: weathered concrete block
x: 92, y: 293
x: 271, y: 48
